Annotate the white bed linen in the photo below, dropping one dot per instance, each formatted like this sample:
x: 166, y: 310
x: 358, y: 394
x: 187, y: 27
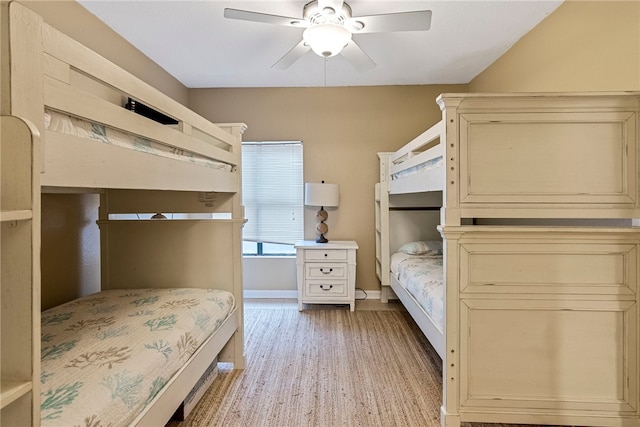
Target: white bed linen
x: 69, y: 125
x: 421, y: 168
x: 422, y: 277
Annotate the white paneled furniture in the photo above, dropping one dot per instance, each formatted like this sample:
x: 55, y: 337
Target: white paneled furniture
x: 326, y: 272
x: 535, y: 197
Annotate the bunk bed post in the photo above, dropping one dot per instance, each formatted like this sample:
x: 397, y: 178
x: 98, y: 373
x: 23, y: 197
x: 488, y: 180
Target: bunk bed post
x: 24, y: 72
x: 236, y: 130
x: 21, y: 75
x: 450, y: 216
x: 450, y: 213
x: 234, y: 350
x: 449, y: 416
x: 382, y: 227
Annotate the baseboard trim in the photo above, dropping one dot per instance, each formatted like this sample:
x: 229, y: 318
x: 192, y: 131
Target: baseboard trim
x: 264, y: 294
x: 289, y: 294
x: 360, y: 294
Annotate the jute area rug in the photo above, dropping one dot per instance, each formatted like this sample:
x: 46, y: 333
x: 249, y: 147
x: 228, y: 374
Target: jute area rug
x: 327, y: 367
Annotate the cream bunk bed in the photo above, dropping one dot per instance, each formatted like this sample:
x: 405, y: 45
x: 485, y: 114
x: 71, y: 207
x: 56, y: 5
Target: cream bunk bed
x: 74, y: 122
x: 540, y: 200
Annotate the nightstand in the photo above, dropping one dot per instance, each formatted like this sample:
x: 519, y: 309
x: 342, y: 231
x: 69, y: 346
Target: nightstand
x: 326, y: 272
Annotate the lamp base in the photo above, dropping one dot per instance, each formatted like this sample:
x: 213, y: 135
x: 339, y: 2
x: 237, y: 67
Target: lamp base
x: 321, y: 227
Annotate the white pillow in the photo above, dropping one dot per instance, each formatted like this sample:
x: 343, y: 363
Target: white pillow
x: 429, y: 247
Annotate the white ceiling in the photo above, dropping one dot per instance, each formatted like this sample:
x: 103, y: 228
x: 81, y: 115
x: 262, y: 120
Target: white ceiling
x: 195, y: 43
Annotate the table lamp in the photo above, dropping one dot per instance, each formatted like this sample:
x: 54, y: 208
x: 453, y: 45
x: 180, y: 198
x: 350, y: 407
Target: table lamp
x: 323, y: 195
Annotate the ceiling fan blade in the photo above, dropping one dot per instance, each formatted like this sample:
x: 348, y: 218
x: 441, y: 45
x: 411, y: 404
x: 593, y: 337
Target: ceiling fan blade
x: 292, y: 56
x: 246, y: 15
x: 356, y: 56
x: 403, y: 21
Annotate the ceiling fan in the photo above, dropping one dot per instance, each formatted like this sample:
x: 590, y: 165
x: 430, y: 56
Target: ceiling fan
x: 329, y: 27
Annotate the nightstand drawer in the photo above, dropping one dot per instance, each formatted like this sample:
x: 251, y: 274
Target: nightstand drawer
x: 327, y: 254
x: 320, y: 288
x: 325, y: 271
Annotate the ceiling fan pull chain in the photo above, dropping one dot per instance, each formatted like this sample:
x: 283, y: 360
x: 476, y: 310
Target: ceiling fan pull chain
x: 325, y: 71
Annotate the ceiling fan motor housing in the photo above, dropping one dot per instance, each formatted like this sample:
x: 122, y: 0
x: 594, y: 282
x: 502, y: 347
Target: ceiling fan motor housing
x: 312, y: 13
x: 327, y: 34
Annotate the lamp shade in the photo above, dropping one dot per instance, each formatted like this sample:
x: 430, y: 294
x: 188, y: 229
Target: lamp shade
x: 327, y: 39
x: 321, y: 194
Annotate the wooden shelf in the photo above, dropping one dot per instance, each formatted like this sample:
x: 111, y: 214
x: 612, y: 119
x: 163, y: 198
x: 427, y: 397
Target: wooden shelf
x: 12, y: 390
x: 20, y: 215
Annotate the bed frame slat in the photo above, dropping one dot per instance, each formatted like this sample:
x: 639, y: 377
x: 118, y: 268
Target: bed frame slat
x: 408, y: 150
x: 73, y: 162
x: 65, y: 98
x: 90, y: 63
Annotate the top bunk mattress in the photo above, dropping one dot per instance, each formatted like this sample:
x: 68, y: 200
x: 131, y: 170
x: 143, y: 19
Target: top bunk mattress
x: 424, y: 167
x: 105, y: 356
x: 69, y: 125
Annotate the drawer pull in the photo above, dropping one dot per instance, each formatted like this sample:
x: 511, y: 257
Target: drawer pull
x: 326, y: 272
x: 326, y: 254
x: 326, y: 289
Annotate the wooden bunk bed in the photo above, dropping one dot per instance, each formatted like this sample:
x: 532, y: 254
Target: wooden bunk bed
x: 74, y: 122
x: 539, y: 202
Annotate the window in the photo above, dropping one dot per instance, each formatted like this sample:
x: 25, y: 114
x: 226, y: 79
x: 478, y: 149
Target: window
x: 272, y: 194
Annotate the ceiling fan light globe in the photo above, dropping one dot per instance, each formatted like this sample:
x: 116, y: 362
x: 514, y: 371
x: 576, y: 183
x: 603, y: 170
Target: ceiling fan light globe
x: 327, y: 40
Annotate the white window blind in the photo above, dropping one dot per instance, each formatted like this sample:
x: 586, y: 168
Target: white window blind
x: 272, y: 191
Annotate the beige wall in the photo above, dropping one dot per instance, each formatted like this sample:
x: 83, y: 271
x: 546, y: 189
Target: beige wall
x: 70, y: 259
x: 342, y: 129
x: 582, y: 46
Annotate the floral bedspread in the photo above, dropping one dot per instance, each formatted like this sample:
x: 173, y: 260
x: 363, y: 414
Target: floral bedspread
x: 422, y: 278
x: 105, y: 356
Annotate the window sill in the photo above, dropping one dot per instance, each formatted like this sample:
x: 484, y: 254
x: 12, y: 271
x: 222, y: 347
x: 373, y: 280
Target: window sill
x: 267, y: 256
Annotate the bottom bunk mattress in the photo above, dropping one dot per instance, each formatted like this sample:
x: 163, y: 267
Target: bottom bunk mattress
x: 422, y: 277
x: 105, y: 356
